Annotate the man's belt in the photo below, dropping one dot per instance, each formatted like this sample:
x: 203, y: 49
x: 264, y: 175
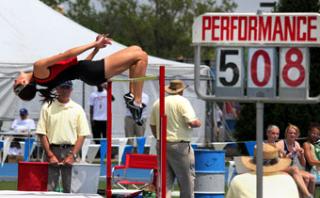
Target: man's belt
x: 181, y: 141
x: 61, y: 145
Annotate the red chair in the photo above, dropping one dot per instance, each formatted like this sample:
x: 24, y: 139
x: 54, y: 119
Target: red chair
x: 139, y: 170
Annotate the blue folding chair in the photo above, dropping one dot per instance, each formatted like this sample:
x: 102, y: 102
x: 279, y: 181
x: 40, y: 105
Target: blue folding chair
x: 1, y: 145
x: 127, y: 149
x: 103, y: 152
x: 28, y: 148
x: 141, y: 141
x: 250, y: 147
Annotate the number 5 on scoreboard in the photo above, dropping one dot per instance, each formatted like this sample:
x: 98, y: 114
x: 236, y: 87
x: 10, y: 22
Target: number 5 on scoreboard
x: 229, y: 72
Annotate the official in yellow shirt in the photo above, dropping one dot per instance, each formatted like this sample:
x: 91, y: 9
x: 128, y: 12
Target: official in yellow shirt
x: 62, y: 128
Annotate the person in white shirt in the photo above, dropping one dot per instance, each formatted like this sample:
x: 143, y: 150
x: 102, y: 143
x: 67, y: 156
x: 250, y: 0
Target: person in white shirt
x: 23, y: 123
x: 98, y: 112
x: 131, y: 127
x: 276, y: 182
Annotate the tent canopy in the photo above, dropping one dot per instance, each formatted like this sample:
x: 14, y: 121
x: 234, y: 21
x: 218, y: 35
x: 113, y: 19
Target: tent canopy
x: 31, y: 30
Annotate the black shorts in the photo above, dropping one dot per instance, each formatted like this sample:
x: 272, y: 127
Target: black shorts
x: 91, y: 72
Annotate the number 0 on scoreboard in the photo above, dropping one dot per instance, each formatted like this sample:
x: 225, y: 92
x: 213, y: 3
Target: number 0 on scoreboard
x: 262, y: 73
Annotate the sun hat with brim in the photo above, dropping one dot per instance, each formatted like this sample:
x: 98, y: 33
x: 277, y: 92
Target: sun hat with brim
x: 175, y: 87
x: 271, y: 160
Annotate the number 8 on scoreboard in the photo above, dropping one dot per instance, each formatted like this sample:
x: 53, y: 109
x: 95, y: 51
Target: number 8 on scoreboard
x: 262, y: 73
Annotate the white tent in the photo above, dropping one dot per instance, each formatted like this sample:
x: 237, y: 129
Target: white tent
x: 31, y: 30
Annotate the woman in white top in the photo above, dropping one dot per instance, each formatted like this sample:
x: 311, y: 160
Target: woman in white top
x: 292, y: 149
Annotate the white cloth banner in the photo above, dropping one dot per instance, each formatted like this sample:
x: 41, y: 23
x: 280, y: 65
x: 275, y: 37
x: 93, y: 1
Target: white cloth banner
x: 84, y: 149
x: 6, y: 146
x: 122, y: 144
x: 153, y: 144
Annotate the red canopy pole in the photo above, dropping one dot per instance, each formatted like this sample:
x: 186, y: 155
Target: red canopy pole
x: 109, y: 139
x: 163, y: 133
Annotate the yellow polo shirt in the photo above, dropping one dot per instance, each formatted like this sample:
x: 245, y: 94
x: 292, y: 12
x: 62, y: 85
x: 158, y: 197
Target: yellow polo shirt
x: 179, y: 113
x: 62, y: 123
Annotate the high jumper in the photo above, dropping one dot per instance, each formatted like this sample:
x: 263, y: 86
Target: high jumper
x: 54, y: 70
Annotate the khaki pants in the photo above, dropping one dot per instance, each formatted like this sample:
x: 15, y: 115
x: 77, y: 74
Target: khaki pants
x: 56, y: 171
x: 132, y: 129
x: 180, y: 166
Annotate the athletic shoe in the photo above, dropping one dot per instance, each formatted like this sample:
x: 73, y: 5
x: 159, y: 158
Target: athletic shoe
x: 140, y: 122
x: 136, y: 112
x: 128, y: 97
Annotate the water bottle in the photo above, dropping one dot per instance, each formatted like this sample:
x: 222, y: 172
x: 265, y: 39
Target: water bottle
x: 59, y: 188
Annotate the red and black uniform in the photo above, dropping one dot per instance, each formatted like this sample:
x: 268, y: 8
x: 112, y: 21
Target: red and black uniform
x: 90, y: 72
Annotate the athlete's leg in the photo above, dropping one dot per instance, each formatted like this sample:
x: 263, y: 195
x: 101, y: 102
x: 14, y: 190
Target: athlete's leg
x: 132, y: 58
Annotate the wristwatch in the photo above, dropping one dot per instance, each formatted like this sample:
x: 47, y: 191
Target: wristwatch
x: 75, y: 156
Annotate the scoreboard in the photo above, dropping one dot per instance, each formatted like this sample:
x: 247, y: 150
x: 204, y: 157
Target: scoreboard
x: 246, y: 29
x: 259, y: 57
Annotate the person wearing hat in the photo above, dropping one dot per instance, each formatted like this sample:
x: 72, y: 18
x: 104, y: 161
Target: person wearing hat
x: 181, y: 118
x: 276, y: 183
x: 23, y: 124
x: 62, y: 128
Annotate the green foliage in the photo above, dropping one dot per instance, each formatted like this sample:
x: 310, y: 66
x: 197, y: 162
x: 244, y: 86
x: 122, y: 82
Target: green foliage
x: 282, y: 114
x: 161, y: 27
x: 53, y: 3
x: 83, y: 12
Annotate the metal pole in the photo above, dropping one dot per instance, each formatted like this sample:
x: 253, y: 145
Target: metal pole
x: 163, y: 133
x: 83, y: 96
x: 109, y: 139
x: 259, y: 154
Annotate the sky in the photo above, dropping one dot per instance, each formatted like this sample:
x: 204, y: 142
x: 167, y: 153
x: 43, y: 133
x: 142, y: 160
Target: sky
x: 243, y: 5
x: 251, y: 5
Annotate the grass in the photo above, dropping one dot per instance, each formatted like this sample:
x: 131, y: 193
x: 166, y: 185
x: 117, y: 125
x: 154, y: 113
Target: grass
x: 8, y: 185
x: 12, y: 185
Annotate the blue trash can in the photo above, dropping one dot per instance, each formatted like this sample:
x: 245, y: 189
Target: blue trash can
x: 210, y: 171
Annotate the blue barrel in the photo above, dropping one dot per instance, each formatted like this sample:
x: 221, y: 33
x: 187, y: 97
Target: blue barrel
x: 210, y: 173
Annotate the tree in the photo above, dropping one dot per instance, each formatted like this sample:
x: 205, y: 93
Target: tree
x: 161, y: 27
x: 282, y: 114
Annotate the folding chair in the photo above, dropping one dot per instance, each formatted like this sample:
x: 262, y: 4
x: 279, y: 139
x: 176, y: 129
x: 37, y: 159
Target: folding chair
x: 127, y: 150
x: 250, y: 147
x: 27, y: 148
x: 139, y: 170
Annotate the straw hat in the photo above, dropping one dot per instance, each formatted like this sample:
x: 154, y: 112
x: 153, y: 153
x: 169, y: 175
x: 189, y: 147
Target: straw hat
x: 271, y: 160
x: 175, y: 87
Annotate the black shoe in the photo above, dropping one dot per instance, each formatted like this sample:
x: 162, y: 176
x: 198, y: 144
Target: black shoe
x: 140, y: 122
x: 128, y: 97
x: 136, y: 112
